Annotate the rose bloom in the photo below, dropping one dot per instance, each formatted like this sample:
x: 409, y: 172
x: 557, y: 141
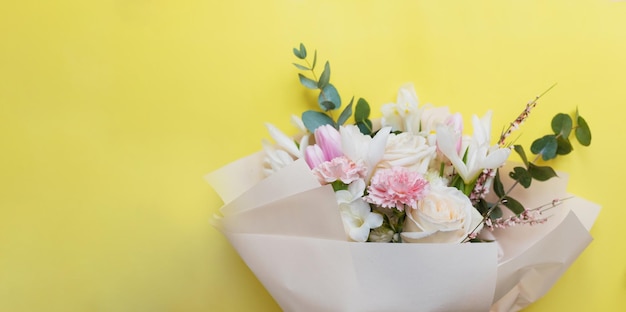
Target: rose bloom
x: 408, y: 150
x: 443, y: 215
x: 340, y: 168
x: 396, y: 188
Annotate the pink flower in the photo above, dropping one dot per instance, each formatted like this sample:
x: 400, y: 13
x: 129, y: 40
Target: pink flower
x: 396, y: 188
x: 314, y: 156
x: 327, y: 147
x: 340, y: 168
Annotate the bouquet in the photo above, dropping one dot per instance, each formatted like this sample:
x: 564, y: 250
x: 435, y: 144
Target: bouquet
x: 403, y: 213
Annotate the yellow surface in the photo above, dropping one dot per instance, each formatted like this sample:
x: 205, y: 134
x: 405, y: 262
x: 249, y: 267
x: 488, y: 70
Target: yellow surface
x: 112, y: 111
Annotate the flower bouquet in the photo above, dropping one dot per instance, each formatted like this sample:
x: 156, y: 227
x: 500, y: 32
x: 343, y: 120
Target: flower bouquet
x: 404, y: 213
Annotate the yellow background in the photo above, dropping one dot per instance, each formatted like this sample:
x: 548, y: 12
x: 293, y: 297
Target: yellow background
x: 112, y: 111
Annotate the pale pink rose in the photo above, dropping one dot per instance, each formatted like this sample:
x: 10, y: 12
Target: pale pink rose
x: 340, y: 168
x: 396, y: 188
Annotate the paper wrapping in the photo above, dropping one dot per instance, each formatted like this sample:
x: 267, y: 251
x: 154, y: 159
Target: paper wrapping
x: 288, y: 230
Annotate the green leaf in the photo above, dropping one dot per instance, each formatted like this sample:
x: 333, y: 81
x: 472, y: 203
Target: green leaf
x: 347, y: 112
x: 482, y: 206
x: 362, y: 110
x: 562, y: 124
x: 325, y: 77
x: 302, y: 51
x: 520, y: 151
x: 541, y: 173
x: 312, y: 120
x: 583, y: 133
x: 513, y: 205
x: 522, y: 176
x: 314, y: 60
x: 365, y: 126
x: 545, y: 146
x: 301, y: 67
x: 329, y: 98
x: 498, y: 188
x: 564, y: 147
x: 307, y: 82
x: 496, y: 213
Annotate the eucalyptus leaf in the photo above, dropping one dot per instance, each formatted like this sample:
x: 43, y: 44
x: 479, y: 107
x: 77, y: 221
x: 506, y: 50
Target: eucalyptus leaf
x: 498, y: 188
x: 312, y: 120
x: 583, y: 133
x: 520, y: 151
x: 513, y: 205
x: 562, y: 124
x: 365, y: 126
x: 314, y: 60
x: 522, y: 176
x: 327, y: 105
x: 325, y: 77
x: 345, y: 114
x: 362, y: 111
x: 545, y: 146
x: 297, y: 53
x: 302, y: 51
x: 564, y: 146
x: 307, y: 82
x: 329, y: 94
x: 301, y: 67
x: 541, y: 173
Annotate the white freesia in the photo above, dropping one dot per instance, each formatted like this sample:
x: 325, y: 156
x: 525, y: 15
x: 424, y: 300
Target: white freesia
x: 408, y: 150
x: 444, y: 215
x: 359, y: 147
x: 404, y: 115
x: 432, y: 117
x: 479, y: 155
x: 286, y: 151
x: 356, y: 214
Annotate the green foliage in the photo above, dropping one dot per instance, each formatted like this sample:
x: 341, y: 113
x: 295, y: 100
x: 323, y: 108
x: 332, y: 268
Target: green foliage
x: 513, y: 205
x: 522, y: 176
x: 313, y: 119
x: 328, y: 98
x: 361, y: 116
x: 583, y: 134
x: 545, y: 146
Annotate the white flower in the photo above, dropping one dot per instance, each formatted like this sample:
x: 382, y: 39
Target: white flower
x: 285, y: 151
x: 356, y: 214
x: 433, y: 117
x: 408, y: 150
x: 404, y: 115
x: 359, y: 147
x: 444, y: 215
x: 479, y: 155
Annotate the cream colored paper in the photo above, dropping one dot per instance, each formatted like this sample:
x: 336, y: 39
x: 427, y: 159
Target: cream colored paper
x: 288, y: 231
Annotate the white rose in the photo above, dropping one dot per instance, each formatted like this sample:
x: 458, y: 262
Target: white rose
x: 432, y: 117
x: 408, y: 150
x: 444, y: 215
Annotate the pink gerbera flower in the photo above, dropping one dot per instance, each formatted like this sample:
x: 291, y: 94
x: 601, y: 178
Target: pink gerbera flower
x: 396, y: 188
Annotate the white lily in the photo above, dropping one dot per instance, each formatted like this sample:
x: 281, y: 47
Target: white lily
x: 360, y: 147
x: 479, y: 155
x: 356, y: 214
x: 404, y: 115
x: 286, y: 150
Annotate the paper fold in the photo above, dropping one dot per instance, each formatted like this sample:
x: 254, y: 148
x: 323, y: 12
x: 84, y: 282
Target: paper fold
x: 288, y: 231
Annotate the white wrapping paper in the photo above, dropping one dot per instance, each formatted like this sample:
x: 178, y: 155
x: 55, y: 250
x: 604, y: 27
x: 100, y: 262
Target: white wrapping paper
x: 288, y: 230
